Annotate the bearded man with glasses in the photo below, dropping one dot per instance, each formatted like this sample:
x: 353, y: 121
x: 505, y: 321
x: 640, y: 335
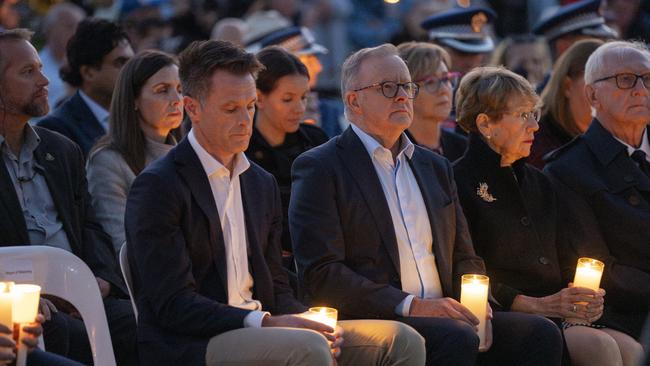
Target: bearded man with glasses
x: 378, y: 231
x: 606, y: 175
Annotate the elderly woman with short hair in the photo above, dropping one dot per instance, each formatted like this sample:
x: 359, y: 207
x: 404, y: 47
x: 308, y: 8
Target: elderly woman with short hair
x: 429, y: 67
x: 515, y: 217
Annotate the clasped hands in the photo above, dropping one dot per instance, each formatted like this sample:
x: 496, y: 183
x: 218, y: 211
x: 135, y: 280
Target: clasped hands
x: 575, y: 303
x: 8, y: 346
x: 333, y: 336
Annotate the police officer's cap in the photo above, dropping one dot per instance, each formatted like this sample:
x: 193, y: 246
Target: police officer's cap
x: 582, y: 17
x: 461, y: 29
x: 297, y: 40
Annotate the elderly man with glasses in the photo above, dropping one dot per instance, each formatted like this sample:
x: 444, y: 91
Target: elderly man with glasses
x: 378, y: 231
x: 606, y: 176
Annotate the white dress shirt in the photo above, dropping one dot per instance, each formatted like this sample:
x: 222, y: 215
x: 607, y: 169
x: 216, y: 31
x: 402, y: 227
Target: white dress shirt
x: 98, y: 111
x: 226, y: 191
x: 645, y: 145
x: 418, y: 270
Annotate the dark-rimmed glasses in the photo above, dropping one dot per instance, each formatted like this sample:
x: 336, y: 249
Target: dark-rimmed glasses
x: 534, y: 115
x: 390, y: 88
x: 433, y: 83
x: 628, y: 80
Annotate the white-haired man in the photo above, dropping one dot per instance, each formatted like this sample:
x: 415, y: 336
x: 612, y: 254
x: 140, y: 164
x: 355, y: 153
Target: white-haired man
x: 605, y: 174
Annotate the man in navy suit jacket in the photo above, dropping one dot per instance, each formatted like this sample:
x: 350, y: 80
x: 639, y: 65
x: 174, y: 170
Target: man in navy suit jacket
x: 378, y: 231
x: 605, y: 174
x: 203, y: 227
x: 95, y: 53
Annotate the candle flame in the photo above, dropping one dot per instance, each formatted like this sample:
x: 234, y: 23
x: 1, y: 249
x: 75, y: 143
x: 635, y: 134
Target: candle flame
x: 6, y: 287
x: 391, y: 1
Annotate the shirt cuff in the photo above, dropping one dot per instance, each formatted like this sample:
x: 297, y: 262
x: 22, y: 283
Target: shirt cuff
x: 404, y: 307
x: 254, y: 319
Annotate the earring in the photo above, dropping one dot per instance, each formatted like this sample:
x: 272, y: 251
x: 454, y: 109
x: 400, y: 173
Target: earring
x: 488, y: 137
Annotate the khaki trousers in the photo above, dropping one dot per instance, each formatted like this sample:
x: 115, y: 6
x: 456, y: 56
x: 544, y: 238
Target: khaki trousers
x: 366, y: 342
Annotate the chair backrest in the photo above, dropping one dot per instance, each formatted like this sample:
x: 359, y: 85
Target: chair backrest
x: 62, y: 274
x: 126, y: 273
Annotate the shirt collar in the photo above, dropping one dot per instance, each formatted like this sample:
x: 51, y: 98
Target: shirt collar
x: 372, y: 146
x: 29, y: 145
x: 213, y: 166
x: 98, y: 111
x: 645, y: 144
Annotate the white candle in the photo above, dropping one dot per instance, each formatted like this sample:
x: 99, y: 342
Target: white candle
x: 25, y: 309
x: 322, y: 314
x: 473, y: 295
x: 6, y: 304
x: 588, y: 273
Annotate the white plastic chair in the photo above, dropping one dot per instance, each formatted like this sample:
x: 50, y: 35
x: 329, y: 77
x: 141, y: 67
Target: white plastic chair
x: 61, y: 273
x: 126, y: 273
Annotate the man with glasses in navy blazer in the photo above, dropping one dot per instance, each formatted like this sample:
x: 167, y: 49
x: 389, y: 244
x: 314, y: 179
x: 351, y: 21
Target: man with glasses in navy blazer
x: 378, y: 231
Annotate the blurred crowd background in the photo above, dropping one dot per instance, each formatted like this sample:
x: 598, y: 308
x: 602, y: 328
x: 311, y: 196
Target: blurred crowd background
x: 341, y: 26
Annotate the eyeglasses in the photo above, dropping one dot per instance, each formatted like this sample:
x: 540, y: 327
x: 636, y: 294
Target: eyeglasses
x: 528, y: 116
x: 628, y: 80
x: 432, y: 83
x: 390, y: 88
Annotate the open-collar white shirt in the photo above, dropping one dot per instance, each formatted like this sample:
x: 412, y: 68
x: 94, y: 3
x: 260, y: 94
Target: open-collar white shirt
x: 418, y: 271
x: 226, y: 191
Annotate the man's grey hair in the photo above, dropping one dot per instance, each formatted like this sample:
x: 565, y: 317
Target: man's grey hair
x: 352, y: 66
x: 595, y: 68
x: 56, y: 13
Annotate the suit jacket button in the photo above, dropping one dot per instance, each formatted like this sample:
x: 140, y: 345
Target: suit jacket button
x: 543, y: 260
x: 628, y: 179
x: 525, y: 221
x: 634, y: 200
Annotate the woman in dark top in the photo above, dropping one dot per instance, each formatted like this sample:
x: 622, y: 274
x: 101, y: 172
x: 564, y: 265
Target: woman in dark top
x: 565, y: 112
x: 515, y: 217
x: 279, y: 135
x: 429, y: 67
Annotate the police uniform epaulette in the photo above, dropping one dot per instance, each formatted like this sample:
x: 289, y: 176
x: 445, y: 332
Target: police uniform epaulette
x: 553, y: 155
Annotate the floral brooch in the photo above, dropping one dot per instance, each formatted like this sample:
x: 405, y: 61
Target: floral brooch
x: 482, y: 191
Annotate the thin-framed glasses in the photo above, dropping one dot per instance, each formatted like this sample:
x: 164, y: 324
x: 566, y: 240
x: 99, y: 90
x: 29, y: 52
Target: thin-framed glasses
x: 390, y: 88
x: 433, y: 83
x: 628, y: 80
x: 533, y: 115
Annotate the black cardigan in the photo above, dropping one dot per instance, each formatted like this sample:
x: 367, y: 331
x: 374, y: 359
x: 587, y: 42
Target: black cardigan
x: 515, y: 223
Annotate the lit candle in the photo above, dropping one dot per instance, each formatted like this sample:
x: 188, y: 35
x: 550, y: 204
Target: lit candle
x: 473, y: 295
x: 322, y: 314
x: 25, y: 309
x: 6, y: 304
x: 588, y: 273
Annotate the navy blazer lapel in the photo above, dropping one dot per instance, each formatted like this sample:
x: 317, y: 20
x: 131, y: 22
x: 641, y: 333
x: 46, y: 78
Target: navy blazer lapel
x: 252, y: 196
x: 61, y: 191
x: 355, y: 157
x: 427, y: 182
x: 86, y: 120
x: 621, y: 171
x: 192, y: 171
x: 9, y: 199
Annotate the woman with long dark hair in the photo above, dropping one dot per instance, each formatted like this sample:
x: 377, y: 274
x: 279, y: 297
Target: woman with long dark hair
x: 146, y: 106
